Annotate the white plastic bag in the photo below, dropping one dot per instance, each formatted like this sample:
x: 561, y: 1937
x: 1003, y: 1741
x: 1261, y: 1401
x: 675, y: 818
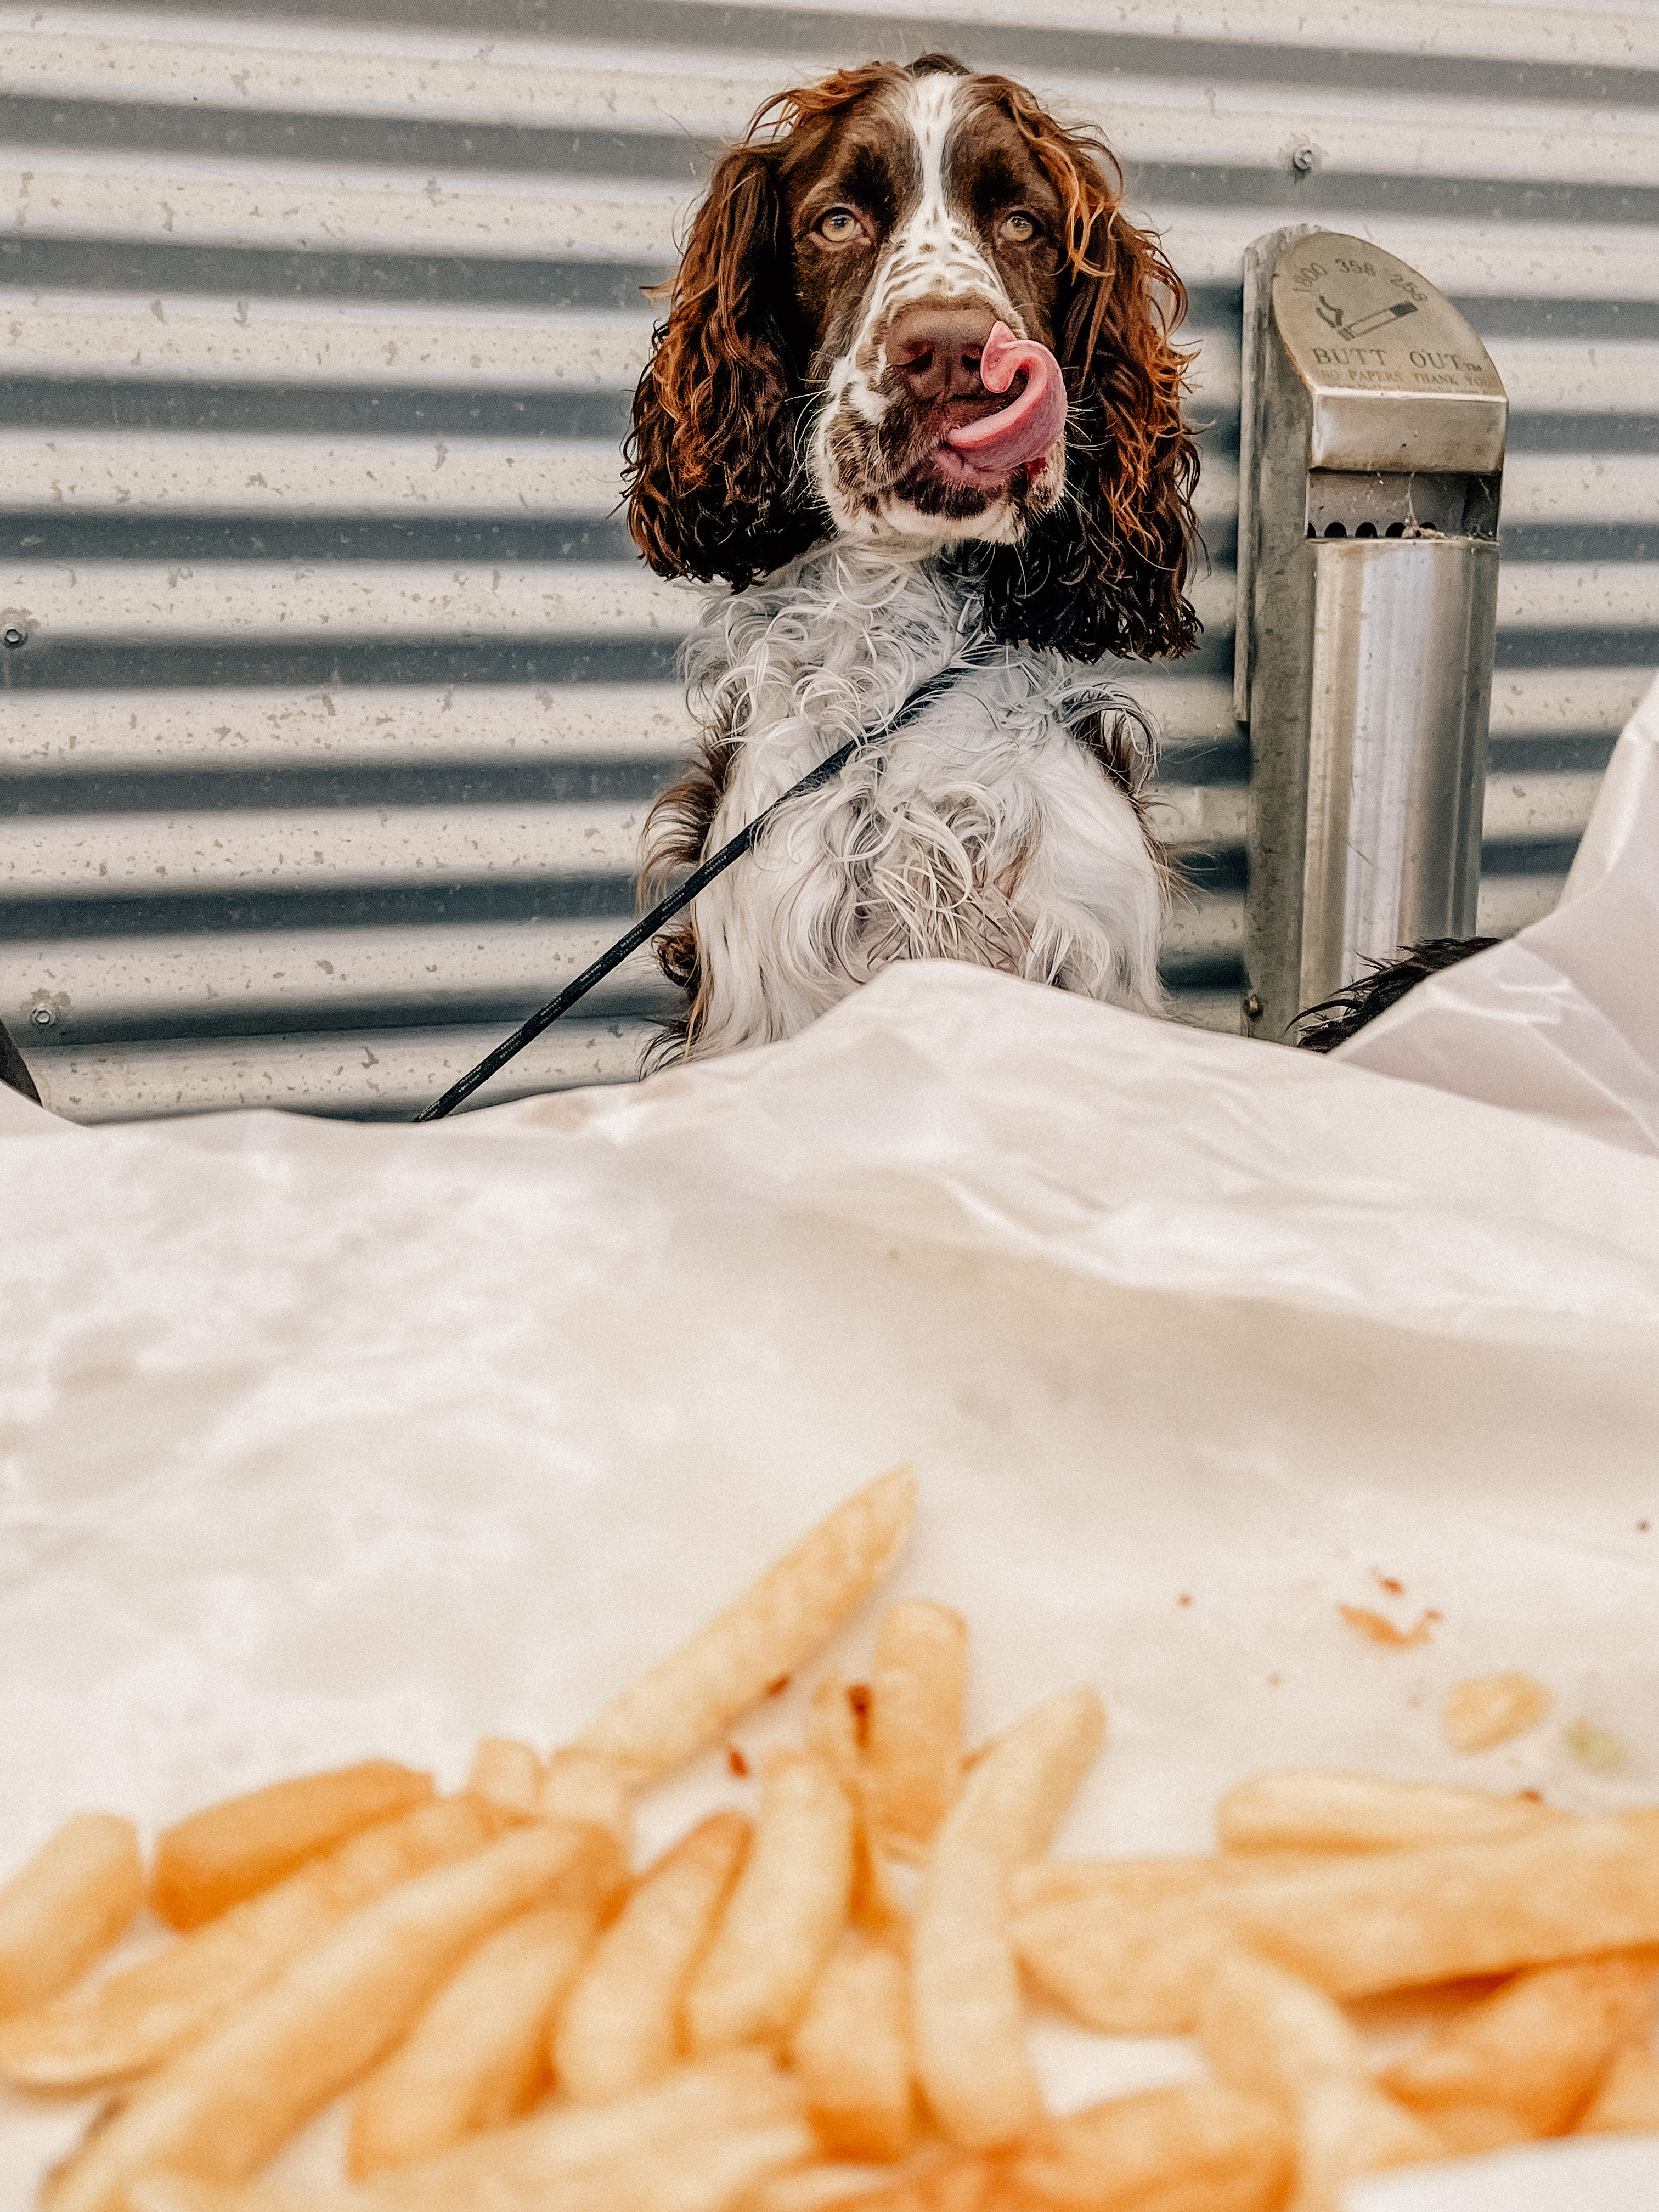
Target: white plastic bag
x: 1563, y: 1020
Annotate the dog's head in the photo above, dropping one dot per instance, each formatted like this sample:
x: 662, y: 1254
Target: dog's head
x: 911, y: 311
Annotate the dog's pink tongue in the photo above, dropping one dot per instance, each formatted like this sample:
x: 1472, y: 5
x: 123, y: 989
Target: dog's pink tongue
x: 1029, y: 426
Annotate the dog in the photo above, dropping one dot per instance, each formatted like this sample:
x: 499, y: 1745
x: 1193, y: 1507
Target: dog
x: 917, y: 401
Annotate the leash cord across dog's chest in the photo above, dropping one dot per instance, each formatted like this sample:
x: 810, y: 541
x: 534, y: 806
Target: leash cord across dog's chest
x: 699, y: 880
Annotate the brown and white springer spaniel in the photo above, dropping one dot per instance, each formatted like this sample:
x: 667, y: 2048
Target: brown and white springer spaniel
x: 916, y: 401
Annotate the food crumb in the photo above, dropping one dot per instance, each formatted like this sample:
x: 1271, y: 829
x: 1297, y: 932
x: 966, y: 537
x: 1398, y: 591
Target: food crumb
x: 1642, y: 1528
x: 857, y: 1696
x: 1273, y: 1681
x: 1492, y: 1707
x: 1530, y: 1797
x: 776, y: 1688
x: 1378, y: 1629
x: 1392, y: 1583
x: 1186, y: 1598
x: 736, y: 1761
x: 1598, y: 1749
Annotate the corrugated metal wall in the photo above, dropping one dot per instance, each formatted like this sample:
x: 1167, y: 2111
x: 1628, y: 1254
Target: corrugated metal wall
x: 340, y: 698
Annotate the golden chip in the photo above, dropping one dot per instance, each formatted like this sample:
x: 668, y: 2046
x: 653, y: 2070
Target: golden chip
x: 620, y: 2030
x: 1538, y: 2046
x: 789, y: 1907
x: 969, y: 2011
x: 1305, y: 1809
x: 476, y: 2058
x: 852, y: 2052
x: 688, y: 1701
x: 66, y: 1907
x: 1492, y: 1709
x: 230, y: 1850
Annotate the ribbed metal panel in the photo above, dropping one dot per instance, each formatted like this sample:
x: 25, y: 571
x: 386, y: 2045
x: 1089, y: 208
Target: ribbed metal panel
x: 343, y: 697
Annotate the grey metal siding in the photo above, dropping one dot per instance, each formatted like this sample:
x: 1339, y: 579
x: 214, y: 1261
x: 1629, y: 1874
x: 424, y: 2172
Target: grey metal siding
x: 342, y: 696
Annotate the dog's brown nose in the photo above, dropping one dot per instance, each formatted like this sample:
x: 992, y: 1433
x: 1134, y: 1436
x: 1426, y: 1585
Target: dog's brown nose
x: 934, y: 348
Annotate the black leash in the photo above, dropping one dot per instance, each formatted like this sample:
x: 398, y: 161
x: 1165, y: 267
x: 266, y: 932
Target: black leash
x: 698, y: 880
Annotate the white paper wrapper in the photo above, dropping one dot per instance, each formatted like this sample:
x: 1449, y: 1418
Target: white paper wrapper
x: 1612, y: 2175
x: 325, y: 1440
x: 1563, y: 1020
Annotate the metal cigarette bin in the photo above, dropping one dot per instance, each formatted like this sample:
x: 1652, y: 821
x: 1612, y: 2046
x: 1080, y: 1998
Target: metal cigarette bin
x: 1371, y: 457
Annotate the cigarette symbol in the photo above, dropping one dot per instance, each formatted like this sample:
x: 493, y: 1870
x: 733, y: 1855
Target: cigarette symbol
x: 1375, y: 322
x: 1333, y: 315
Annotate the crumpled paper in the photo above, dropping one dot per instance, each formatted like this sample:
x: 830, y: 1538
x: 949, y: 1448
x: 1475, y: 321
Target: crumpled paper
x: 322, y: 1440
x: 1563, y: 1019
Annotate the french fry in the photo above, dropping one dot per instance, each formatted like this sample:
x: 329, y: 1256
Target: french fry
x: 853, y: 2054
x: 620, y: 2027
x: 1385, y: 1921
x: 507, y: 1772
x: 1538, y: 2046
x: 477, y: 2055
x: 815, y: 2188
x: 1469, y: 2131
x: 1200, y: 2149
x: 788, y: 1906
x: 223, y: 2107
x: 229, y: 1852
x: 1280, y: 2040
x: 914, y: 1737
x: 1492, y: 1709
x: 135, y: 2020
x: 702, y: 2173
x: 66, y: 1907
x: 688, y: 1700
x: 696, y: 2142
x: 1197, y: 2148
x: 1348, y: 2127
x: 872, y: 1906
x: 1307, y: 1809
x: 1626, y: 2102
x: 1022, y: 1781
x: 832, y: 1735
x: 476, y: 2058
x: 183, y: 2192
x: 1130, y: 1885
x: 1142, y: 1972
x: 581, y: 1785
x: 1267, y: 2034
x: 970, y: 2013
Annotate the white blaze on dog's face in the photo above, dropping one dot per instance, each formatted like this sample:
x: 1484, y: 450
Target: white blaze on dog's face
x: 921, y: 221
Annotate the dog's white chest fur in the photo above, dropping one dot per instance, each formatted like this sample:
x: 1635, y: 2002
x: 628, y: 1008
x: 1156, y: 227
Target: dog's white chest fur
x: 982, y: 830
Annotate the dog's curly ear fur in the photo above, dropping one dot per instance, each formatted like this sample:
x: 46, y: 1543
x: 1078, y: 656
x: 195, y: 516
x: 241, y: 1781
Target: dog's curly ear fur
x: 1105, y: 571
x: 713, y: 488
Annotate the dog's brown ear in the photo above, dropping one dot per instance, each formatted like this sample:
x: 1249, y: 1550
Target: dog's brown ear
x: 1106, y: 571
x: 714, y: 488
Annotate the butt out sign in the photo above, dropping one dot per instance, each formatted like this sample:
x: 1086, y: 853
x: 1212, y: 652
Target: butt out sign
x: 1367, y: 321
x: 1355, y: 321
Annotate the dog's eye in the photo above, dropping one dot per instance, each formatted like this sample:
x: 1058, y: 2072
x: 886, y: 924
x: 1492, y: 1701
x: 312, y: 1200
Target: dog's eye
x: 1017, y: 228
x: 840, y: 226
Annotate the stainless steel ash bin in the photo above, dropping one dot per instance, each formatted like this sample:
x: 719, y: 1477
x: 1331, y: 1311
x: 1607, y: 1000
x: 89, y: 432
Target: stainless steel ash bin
x: 1371, y: 457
